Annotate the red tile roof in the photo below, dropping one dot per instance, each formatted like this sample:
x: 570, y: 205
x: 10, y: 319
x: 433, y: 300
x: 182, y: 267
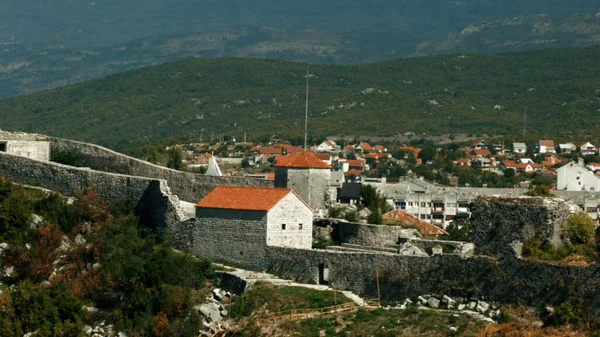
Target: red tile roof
x: 268, y: 150
x: 290, y: 149
x: 509, y: 164
x: 546, y: 143
x: 366, y: 146
x: 475, y: 143
x: 482, y: 152
x: 349, y: 147
x: 425, y: 228
x: 243, y: 198
x: 380, y: 148
x: 354, y: 173
x: 323, y: 156
x: 307, y: 159
x: 356, y: 163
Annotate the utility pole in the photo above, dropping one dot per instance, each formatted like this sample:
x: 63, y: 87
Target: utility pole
x: 308, y: 75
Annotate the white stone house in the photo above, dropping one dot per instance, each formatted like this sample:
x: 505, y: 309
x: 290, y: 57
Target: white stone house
x: 588, y: 149
x: 519, y: 148
x: 236, y: 224
x: 576, y: 177
x: 327, y: 146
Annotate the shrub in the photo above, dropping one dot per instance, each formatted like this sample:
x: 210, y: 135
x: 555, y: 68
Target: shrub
x: 580, y: 229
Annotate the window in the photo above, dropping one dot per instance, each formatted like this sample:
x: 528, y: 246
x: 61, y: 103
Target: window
x: 423, y: 204
x: 438, y: 204
x: 282, y: 226
x: 410, y: 203
x: 438, y: 216
x: 401, y: 204
x: 299, y: 226
x: 463, y: 204
x: 423, y: 216
x: 2, y: 147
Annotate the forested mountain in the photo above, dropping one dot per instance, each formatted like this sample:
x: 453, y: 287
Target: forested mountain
x: 197, y: 98
x: 102, y: 23
x: 47, y: 44
x: 27, y: 70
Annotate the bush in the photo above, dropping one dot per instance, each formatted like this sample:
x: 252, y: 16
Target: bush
x: 580, y: 229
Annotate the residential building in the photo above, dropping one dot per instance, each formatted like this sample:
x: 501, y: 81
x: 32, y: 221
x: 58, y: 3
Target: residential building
x: 574, y: 176
x: 349, y: 193
x: 479, y: 144
x: 519, y: 148
x: 327, y: 146
x: 545, y: 146
x: 567, y: 148
x: 587, y: 149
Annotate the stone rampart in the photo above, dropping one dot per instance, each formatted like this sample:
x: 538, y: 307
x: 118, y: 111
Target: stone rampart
x: 187, y: 186
x: 152, y: 197
x: 360, y: 234
x: 505, y: 281
x: 226, y: 236
x: 496, y: 222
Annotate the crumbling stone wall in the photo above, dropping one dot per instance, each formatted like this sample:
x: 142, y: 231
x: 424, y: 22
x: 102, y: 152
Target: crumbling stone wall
x: 496, y: 222
x: 154, y: 202
x: 187, y: 186
x: 360, y: 234
x: 505, y: 281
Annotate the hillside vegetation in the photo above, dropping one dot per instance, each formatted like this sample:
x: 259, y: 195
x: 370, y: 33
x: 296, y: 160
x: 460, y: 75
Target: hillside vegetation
x: 65, y: 265
x: 27, y: 69
x: 197, y: 98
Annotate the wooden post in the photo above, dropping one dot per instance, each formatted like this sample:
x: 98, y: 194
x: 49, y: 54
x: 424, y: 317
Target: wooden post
x: 378, y: 289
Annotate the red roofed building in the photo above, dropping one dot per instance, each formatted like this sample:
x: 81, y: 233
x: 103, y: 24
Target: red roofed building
x: 545, y: 146
x: 402, y: 217
x: 289, y: 149
x: 481, y: 152
x: 238, y: 223
x: 307, y: 175
x: 366, y: 147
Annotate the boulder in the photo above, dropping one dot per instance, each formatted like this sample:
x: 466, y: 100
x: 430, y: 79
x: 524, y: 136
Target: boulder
x: 482, y: 307
x: 433, y: 302
x: 210, y: 311
x: 449, y: 302
x: 34, y: 221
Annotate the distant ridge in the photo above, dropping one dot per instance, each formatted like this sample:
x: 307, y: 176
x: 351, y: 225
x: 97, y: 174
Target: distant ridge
x: 466, y: 93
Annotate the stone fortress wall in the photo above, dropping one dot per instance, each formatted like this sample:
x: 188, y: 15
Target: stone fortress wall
x: 153, y: 199
x: 505, y: 278
x: 187, y: 186
x: 22, y: 144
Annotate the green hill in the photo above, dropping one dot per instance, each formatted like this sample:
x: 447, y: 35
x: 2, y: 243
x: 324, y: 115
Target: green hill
x: 197, y: 97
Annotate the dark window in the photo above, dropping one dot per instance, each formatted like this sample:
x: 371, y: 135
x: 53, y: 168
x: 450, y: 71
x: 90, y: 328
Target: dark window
x: 282, y: 226
x: 2, y: 147
x: 300, y: 226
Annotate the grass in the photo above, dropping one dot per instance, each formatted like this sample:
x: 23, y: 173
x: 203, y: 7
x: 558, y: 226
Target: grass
x: 267, y: 298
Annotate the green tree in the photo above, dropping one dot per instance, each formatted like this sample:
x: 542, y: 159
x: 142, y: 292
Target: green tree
x: 580, y: 229
x: 152, y: 155
x: 175, y: 158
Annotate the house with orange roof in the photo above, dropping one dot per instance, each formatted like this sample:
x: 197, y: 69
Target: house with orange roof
x: 241, y: 222
x: 327, y: 146
x: 270, y: 151
x: 289, y: 149
x: 551, y: 161
x: 365, y: 147
x: 479, y: 144
x: 545, y: 146
x: 481, y: 152
x: 307, y: 175
x: 377, y: 156
x: 325, y: 157
x: 380, y: 148
x: 357, y: 165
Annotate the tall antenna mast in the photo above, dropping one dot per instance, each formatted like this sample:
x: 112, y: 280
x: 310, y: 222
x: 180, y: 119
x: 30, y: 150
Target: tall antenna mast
x: 306, y: 112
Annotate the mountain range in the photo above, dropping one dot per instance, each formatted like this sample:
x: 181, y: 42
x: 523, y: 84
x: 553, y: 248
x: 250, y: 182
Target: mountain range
x: 25, y: 70
x: 202, y: 98
x: 48, y: 44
